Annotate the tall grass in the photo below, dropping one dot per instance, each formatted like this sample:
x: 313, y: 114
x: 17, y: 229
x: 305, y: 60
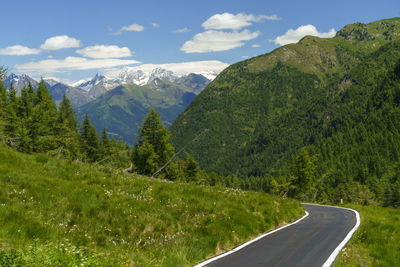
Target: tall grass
x: 127, y: 219
x: 377, y: 240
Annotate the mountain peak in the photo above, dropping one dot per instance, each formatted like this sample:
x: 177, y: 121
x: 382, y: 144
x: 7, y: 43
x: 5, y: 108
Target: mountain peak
x: 19, y: 81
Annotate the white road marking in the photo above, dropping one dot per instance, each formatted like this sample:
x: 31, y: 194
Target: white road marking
x: 204, y: 263
x: 332, y: 257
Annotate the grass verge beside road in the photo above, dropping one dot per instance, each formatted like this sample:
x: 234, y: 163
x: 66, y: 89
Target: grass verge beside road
x: 65, y: 213
x: 377, y: 240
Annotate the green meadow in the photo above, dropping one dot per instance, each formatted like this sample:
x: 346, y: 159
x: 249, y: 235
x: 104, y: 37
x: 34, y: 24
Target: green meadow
x: 376, y: 242
x: 63, y: 213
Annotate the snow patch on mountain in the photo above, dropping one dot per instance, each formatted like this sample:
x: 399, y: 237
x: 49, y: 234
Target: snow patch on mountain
x: 145, y: 73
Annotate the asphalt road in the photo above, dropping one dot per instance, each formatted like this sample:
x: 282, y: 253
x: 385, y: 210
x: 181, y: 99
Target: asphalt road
x: 308, y: 243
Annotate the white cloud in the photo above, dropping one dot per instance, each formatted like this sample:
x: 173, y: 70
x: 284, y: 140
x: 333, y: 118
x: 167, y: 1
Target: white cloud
x: 208, y: 68
x: 155, y: 25
x: 60, y: 42
x: 293, y: 36
x: 18, y: 50
x: 132, y: 28
x: 234, y: 22
x: 69, y: 63
x: 211, y: 41
x: 105, y: 51
x: 255, y: 45
x: 182, y: 30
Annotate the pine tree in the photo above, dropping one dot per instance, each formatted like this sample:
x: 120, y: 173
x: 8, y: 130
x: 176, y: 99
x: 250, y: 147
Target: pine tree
x: 3, y: 73
x: 145, y: 158
x: 106, y: 144
x: 152, y: 145
x: 192, y: 169
x: 67, y: 129
x: 10, y: 116
x: 25, y: 107
x: 66, y: 114
x: 89, y: 141
x: 44, y: 120
x: 304, y: 175
x: 3, y: 101
x: 3, y: 97
x: 25, y: 116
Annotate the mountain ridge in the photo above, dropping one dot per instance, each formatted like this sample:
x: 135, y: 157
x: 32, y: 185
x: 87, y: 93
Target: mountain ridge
x: 261, y: 111
x: 122, y: 109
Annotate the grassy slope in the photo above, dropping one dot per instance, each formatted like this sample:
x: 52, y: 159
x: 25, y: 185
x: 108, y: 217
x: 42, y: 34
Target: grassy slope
x: 376, y: 242
x: 124, y: 217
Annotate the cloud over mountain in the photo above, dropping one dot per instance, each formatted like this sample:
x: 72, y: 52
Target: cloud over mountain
x: 211, y: 41
x: 217, y: 38
x: 105, y: 51
x: 60, y: 42
x: 49, y: 66
x: 234, y: 22
x: 293, y: 36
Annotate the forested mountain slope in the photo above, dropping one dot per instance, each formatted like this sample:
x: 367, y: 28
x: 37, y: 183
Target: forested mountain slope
x: 338, y: 98
x: 122, y: 110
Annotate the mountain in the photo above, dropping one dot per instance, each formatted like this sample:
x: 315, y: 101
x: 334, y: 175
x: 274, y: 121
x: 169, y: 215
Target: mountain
x: 122, y: 102
x: 101, y: 84
x: 57, y: 91
x: 56, y: 88
x: 338, y: 98
x: 192, y: 81
x: 19, y: 81
x: 122, y: 110
x: 98, y: 86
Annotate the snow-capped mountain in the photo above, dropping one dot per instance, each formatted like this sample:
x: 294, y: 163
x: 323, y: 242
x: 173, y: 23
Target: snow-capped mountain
x: 56, y: 88
x: 19, y: 81
x: 98, y: 85
x: 140, y: 77
x: 161, y: 73
x: 50, y: 81
x: 192, y: 75
x: 101, y: 84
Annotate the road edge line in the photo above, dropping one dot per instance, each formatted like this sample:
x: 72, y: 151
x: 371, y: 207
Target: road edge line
x: 334, y: 254
x: 248, y: 242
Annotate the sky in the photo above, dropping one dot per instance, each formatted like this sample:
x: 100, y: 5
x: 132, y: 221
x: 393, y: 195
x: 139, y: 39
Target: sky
x: 73, y: 40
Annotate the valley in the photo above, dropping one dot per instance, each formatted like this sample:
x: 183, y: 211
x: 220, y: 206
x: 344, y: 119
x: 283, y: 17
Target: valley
x: 199, y: 137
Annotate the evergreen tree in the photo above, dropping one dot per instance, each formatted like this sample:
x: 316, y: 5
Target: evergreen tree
x: 44, y: 120
x: 3, y: 97
x: 67, y: 129
x: 26, y: 101
x: 3, y: 101
x: 3, y: 73
x: 106, y: 144
x: 152, y: 147
x: 145, y: 158
x: 89, y: 141
x: 66, y: 114
x: 25, y: 116
x: 192, y: 169
x: 304, y: 175
x: 10, y: 116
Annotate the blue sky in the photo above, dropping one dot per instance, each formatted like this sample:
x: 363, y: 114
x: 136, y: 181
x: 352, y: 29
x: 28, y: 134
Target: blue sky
x: 72, y: 40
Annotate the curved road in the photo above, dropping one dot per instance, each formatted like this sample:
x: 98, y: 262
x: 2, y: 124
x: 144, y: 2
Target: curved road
x: 309, y: 242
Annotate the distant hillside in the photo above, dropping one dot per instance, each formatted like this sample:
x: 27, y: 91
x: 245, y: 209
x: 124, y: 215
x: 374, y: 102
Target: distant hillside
x: 122, y: 110
x: 337, y: 97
